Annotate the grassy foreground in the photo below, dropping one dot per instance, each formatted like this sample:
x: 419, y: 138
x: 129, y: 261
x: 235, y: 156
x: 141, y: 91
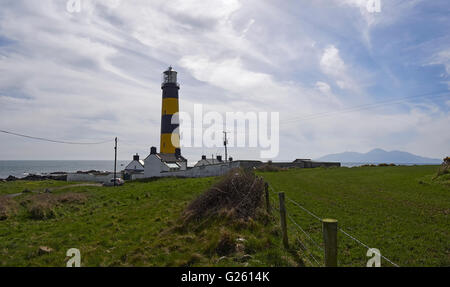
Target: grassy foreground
x: 401, y: 211
x: 137, y: 224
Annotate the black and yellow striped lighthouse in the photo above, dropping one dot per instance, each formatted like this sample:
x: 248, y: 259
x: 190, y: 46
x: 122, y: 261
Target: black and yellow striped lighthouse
x: 170, y: 135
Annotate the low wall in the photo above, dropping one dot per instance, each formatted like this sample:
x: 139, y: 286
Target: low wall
x: 222, y: 168
x: 137, y: 176
x: 210, y: 170
x: 90, y: 177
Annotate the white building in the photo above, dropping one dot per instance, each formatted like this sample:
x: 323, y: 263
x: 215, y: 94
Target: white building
x: 156, y: 164
x: 135, y: 165
x: 209, y: 161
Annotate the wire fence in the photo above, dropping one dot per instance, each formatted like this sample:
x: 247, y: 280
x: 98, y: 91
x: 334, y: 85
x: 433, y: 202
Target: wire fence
x: 314, y: 248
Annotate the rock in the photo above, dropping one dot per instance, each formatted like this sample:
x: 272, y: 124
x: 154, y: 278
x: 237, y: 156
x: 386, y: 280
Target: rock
x: 45, y: 250
x: 11, y: 178
x: 240, y: 240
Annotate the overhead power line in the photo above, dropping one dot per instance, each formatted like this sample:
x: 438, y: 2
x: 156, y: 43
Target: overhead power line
x: 55, y: 141
x: 362, y: 107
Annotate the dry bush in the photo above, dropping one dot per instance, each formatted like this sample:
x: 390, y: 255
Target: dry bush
x: 8, y: 207
x: 237, y: 195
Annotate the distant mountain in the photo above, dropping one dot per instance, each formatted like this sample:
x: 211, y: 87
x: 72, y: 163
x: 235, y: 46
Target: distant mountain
x: 380, y: 156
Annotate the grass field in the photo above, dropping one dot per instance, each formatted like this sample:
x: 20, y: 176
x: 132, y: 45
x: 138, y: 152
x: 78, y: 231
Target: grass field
x: 136, y: 225
x: 19, y: 186
x: 399, y: 210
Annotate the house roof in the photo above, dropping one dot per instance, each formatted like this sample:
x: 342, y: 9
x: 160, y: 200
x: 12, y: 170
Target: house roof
x: 168, y: 157
x: 134, y: 162
x: 208, y: 161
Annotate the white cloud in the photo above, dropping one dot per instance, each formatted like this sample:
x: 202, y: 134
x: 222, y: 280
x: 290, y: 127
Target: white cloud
x: 332, y: 64
x: 95, y: 75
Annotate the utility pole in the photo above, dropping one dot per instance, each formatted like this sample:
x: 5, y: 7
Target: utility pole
x: 225, y: 142
x: 115, y: 162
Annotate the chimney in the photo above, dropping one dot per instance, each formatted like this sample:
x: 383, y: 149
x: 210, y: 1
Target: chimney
x: 230, y: 159
x: 153, y: 150
x: 204, y: 157
x: 219, y: 158
x: 177, y: 152
x: 136, y: 157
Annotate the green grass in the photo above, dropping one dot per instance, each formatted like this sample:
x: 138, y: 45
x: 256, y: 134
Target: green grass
x: 402, y: 211
x: 20, y: 185
x: 136, y: 225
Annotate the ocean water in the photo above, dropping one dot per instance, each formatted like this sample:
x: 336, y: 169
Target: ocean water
x: 21, y: 168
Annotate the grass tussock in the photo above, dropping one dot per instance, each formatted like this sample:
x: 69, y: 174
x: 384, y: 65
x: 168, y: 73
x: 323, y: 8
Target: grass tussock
x: 8, y: 207
x: 43, y: 206
x: 238, y: 195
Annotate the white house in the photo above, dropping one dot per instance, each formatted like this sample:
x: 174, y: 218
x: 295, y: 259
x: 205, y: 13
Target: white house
x: 156, y: 164
x: 209, y: 161
x: 135, y: 165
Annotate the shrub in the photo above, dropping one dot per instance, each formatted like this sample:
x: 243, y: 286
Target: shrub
x: 237, y: 195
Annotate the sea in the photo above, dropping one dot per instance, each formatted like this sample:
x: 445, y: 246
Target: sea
x: 22, y: 168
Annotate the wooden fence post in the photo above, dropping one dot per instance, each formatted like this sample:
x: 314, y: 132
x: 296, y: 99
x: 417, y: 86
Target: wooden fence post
x: 330, y: 228
x: 283, y: 220
x: 266, y: 187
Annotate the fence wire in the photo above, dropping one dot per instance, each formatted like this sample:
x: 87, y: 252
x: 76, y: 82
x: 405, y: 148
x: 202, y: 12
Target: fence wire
x: 319, y: 219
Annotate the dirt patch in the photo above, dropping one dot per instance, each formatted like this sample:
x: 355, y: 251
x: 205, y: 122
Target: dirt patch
x: 237, y: 195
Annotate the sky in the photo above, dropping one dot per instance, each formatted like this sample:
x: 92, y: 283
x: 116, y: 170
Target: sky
x: 343, y: 76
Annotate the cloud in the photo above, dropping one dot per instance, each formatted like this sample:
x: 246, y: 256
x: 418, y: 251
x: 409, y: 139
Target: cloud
x: 332, y: 64
x: 442, y: 58
x: 96, y: 74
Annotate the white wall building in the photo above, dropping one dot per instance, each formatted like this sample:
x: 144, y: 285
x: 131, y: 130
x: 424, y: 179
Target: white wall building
x: 137, y: 165
x: 209, y: 161
x: 157, y: 163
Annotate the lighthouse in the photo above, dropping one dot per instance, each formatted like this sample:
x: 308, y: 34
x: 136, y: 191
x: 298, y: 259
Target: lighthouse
x: 170, y: 134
